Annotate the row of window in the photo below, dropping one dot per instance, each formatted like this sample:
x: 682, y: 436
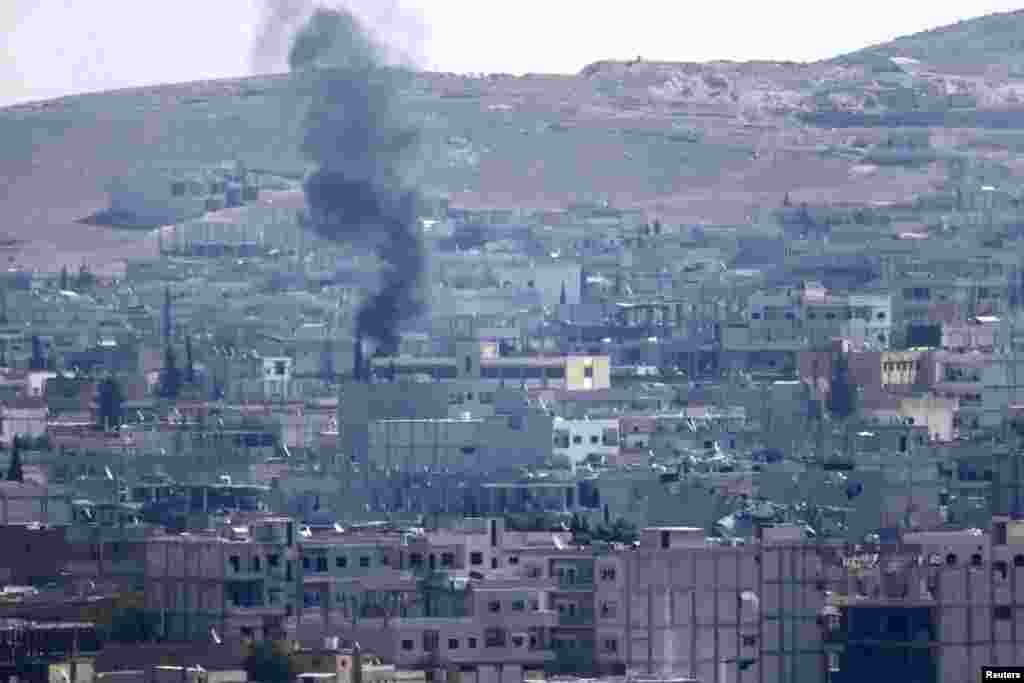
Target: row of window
x: 319, y: 564
x: 813, y: 315
x: 494, y: 606
x: 493, y: 638
x: 255, y: 563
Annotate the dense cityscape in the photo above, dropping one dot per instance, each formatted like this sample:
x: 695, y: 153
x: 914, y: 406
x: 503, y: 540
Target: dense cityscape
x: 339, y: 427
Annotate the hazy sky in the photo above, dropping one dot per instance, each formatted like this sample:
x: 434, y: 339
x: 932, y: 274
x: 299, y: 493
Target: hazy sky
x: 59, y: 47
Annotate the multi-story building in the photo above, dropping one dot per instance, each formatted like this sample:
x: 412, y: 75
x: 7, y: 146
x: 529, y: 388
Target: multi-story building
x: 462, y: 600
x: 580, y: 440
x: 935, y: 607
x: 243, y: 583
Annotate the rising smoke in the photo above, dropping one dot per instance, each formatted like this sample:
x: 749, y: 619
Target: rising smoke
x: 359, y: 146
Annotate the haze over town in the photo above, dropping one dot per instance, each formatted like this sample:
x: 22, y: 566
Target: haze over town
x: 54, y: 48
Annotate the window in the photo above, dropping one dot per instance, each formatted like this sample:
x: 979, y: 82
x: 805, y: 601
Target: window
x: 611, y: 645
x: 408, y: 645
x: 608, y: 573
x: 951, y: 559
x: 1002, y: 612
x: 495, y: 637
x: 415, y: 560
x: 447, y: 559
x: 341, y: 562
x: 236, y: 563
x: 364, y: 562
x: 518, y: 641
x: 476, y: 558
x: 608, y: 610
x: 178, y: 189
x: 577, y: 439
x: 976, y: 560
x: 321, y: 563
x: 306, y: 563
x: 471, y: 643
x: 453, y: 643
x: 755, y: 315
x: 273, y: 560
x: 513, y: 560
x: 256, y: 563
x: 595, y: 440
x: 1018, y: 560
x: 519, y: 605
x: 494, y: 606
x: 588, y: 372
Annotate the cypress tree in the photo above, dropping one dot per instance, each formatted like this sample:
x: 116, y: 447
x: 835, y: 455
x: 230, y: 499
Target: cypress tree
x: 167, y: 316
x: 38, y: 360
x: 190, y: 373
x: 110, y: 410
x: 170, y: 377
x: 14, y: 470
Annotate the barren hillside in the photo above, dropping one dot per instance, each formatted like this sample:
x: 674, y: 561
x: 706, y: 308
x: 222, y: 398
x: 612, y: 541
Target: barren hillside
x: 692, y: 142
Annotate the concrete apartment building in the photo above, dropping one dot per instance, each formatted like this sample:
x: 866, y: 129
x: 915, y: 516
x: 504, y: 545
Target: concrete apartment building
x: 242, y: 584
x: 408, y: 597
x: 580, y: 440
x: 936, y: 607
x: 494, y: 605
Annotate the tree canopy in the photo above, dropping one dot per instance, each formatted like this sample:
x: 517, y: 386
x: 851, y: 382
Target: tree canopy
x: 14, y: 469
x: 268, y: 663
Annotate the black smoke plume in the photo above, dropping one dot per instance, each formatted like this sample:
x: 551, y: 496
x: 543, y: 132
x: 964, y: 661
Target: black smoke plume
x: 355, y: 137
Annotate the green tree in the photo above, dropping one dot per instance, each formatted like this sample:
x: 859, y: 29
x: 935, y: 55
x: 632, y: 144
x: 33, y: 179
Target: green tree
x: 170, y: 375
x: 14, y: 470
x: 842, y: 395
x: 110, y: 400
x: 132, y: 625
x: 268, y: 663
x: 38, y: 359
x: 190, y: 373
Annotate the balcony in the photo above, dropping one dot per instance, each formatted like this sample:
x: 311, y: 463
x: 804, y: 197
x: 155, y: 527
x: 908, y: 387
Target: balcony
x: 574, y: 582
x: 579, y: 617
x: 522, y: 620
